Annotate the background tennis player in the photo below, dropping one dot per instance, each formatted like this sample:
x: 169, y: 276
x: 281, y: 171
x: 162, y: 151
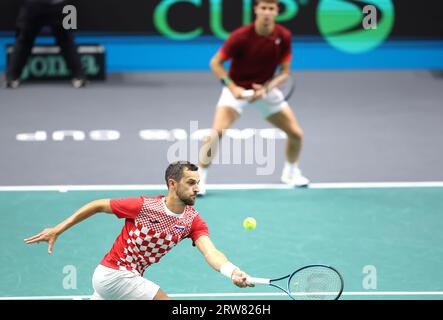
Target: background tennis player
x: 256, y: 51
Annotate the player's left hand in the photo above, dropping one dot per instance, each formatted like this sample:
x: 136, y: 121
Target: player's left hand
x: 48, y: 235
x: 239, y: 279
x: 260, y: 92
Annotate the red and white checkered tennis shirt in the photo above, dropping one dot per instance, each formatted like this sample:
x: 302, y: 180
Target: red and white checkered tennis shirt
x: 150, y: 231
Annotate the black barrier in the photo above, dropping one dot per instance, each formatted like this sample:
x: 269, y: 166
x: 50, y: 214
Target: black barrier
x: 187, y: 19
x: 46, y: 63
x: 216, y: 309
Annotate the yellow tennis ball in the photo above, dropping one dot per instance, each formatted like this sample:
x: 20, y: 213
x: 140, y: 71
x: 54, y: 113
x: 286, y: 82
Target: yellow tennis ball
x: 249, y: 223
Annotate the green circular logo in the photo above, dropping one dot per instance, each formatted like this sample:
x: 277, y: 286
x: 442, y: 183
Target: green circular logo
x: 342, y: 23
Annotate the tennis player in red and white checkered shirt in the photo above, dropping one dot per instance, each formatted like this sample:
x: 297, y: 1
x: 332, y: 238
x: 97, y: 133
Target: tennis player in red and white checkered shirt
x: 152, y: 227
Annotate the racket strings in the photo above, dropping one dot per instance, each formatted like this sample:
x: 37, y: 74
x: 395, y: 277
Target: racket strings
x: 315, y: 283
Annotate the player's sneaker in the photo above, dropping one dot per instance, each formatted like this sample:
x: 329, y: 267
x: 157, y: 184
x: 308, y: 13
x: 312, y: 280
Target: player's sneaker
x: 294, y: 177
x: 202, y: 187
x: 12, y: 84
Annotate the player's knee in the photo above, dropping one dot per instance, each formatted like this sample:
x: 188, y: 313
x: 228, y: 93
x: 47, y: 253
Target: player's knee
x: 161, y: 295
x: 295, y: 134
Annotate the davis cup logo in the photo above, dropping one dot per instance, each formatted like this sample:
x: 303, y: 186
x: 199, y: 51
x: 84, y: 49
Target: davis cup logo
x: 341, y: 24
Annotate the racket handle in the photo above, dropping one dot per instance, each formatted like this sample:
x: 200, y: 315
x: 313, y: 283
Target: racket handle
x: 258, y: 280
x: 247, y: 93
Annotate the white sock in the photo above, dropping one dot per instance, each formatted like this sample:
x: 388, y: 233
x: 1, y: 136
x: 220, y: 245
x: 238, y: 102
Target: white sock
x: 203, y: 174
x: 290, y: 166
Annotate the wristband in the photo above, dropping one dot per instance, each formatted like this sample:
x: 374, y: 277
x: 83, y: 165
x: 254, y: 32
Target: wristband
x: 227, y: 269
x: 225, y: 80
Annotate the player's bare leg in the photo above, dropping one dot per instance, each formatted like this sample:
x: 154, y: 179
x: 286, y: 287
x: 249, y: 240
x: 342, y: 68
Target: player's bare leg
x: 286, y: 121
x: 161, y: 295
x: 223, y: 119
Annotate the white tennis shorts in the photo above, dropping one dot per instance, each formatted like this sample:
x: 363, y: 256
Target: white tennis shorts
x: 271, y: 104
x: 111, y: 284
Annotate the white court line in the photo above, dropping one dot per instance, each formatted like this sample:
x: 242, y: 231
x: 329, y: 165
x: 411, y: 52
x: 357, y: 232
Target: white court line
x: 261, y: 294
x: 338, y: 185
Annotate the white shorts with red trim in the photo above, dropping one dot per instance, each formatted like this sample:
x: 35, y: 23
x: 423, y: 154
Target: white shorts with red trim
x: 111, y: 284
x: 271, y: 104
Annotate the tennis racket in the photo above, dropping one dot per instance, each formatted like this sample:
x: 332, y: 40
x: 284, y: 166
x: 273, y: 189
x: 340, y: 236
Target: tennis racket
x: 312, y: 282
x: 287, y: 89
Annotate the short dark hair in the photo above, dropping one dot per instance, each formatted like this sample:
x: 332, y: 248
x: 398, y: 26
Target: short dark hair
x: 175, y: 170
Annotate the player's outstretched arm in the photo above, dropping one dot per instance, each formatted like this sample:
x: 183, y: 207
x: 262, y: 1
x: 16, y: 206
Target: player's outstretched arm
x: 50, y: 235
x: 219, y: 262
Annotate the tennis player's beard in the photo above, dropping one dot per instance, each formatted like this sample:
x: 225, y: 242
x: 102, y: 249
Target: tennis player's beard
x: 186, y: 200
